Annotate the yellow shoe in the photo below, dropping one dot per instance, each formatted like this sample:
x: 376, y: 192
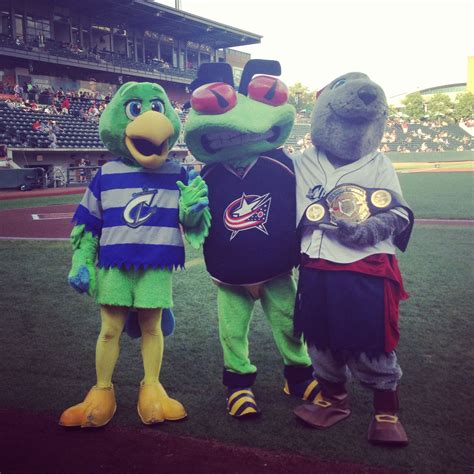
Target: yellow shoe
x: 95, y: 411
x: 154, y: 405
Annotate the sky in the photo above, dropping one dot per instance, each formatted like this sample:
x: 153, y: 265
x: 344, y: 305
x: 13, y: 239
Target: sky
x: 403, y: 45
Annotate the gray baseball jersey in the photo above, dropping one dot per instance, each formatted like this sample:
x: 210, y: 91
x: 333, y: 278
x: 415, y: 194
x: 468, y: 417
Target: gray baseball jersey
x: 315, y: 177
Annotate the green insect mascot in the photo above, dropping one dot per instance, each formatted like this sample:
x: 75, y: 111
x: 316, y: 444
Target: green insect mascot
x: 128, y: 225
x: 252, y: 245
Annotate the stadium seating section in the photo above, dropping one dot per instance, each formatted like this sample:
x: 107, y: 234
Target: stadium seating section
x: 75, y: 132
x: 16, y: 128
x: 55, y: 48
x: 452, y: 137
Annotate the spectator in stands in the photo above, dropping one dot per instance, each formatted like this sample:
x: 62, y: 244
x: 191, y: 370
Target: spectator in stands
x: 17, y: 90
x: 53, y: 125
x: 36, y: 125
x: 65, y: 105
x: 53, y: 139
x: 25, y: 91
x: 51, y: 110
x: 424, y: 147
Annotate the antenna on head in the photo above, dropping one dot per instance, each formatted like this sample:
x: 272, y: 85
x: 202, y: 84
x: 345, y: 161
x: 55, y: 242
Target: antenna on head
x: 212, y: 72
x: 257, y: 66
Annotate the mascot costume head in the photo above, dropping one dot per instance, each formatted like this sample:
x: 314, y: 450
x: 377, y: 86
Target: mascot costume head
x: 352, y: 216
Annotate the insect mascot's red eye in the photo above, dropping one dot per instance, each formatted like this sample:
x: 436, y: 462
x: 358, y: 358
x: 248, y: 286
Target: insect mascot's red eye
x: 214, y: 98
x: 268, y: 90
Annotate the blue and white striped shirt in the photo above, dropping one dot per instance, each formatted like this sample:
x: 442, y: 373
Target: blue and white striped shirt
x: 134, y: 211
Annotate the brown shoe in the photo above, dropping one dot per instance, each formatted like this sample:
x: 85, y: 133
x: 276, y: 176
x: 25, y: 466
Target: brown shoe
x: 330, y: 406
x: 385, y: 427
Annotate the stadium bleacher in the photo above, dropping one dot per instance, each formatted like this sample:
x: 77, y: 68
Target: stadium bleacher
x: 72, y: 131
x: 59, y: 49
x: 440, y: 138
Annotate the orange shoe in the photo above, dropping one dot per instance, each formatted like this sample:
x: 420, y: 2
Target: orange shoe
x: 95, y: 411
x: 155, y: 406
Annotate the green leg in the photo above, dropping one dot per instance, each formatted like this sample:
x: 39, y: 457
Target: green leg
x: 278, y: 299
x: 235, y: 307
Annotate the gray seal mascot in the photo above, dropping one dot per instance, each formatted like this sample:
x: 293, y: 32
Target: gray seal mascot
x: 351, y: 217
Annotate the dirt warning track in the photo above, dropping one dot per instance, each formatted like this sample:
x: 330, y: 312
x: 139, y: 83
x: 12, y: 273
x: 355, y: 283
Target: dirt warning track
x: 54, y: 223
x: 48, y: 222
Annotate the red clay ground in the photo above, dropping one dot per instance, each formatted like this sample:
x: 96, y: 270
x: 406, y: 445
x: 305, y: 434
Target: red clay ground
x: 34, y: 443
x: 54, y: 222
x: 47, y: 222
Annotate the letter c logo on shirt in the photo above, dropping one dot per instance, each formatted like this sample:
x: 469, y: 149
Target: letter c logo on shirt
x: 139, y: 210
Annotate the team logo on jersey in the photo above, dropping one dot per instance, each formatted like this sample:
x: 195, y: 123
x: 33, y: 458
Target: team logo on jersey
x: 247, y: 212
x: 139, y: 209
x: 315, y: 193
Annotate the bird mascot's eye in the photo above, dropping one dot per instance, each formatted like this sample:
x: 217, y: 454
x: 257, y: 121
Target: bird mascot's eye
x: 133, y: 109
x: 157, y: 106
x: 214, y: 98
x: 340, y: 82
x: 268, y: 90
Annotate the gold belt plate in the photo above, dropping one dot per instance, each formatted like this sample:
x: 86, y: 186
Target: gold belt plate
x: 348, y: 203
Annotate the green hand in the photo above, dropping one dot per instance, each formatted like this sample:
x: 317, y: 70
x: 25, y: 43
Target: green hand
x: 194, y: 212
x: 82, y: 276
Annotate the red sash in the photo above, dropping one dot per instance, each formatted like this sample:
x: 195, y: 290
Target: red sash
x: 381, y: 265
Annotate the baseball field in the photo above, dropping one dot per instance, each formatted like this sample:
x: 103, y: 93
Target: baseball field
x: 48, y: 335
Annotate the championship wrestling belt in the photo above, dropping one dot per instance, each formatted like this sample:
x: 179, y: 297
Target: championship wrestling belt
x: 355, y: 204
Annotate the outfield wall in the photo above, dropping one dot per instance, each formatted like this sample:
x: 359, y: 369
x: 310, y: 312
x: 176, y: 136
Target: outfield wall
x: 431, y: 157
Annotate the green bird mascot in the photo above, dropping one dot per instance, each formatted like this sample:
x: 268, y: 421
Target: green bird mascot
x: 126, y: 242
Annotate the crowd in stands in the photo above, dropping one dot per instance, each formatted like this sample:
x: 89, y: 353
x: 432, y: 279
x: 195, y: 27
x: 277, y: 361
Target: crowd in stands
x: 404, y: 137
x: 95, y: 54
x: 43, y: 109
x: 84, y: 108
x: 54, y: 102
x: 427, y: 136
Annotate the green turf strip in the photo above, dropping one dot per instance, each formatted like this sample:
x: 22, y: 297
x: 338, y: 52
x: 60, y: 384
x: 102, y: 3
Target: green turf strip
x: 48, y: 336
x: 40, y: 201
x: 439, y: 195
x: 431, y: 195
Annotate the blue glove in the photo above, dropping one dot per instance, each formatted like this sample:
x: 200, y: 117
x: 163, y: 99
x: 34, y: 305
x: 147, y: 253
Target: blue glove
x: 80, y: 281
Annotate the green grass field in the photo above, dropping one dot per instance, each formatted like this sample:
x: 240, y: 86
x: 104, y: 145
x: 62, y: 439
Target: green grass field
x: 431, y: 195
x: 48, y: 338
x: 44, y: 201
x: 439, y: 195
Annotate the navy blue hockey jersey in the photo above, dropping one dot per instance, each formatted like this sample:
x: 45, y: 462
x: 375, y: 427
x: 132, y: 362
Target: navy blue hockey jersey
x: 253, y: 236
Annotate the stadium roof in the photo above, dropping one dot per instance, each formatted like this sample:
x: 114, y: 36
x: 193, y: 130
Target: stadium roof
x: 458, y: 87
x: 169, y: 21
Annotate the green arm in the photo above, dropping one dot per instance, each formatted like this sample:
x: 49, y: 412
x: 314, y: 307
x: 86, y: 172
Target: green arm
x: 194, y: 212
x: 82, y: 276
